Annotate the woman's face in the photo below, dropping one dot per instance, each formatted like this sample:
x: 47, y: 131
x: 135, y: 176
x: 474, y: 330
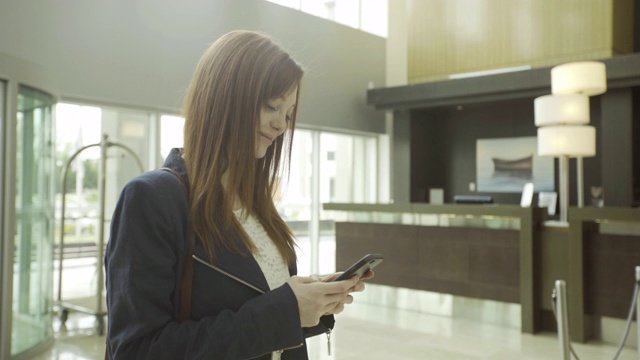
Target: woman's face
x: 275, y: 117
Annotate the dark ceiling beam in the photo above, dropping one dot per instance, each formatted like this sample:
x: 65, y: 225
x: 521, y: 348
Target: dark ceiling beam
x: 622, y: 71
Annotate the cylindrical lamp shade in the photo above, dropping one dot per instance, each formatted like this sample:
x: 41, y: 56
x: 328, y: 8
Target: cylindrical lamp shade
x: 561, y: 109
x: 584, y: 77
x: 570, y: 140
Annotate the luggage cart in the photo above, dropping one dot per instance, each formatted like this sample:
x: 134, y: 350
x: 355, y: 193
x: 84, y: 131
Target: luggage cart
x: 100, y: 309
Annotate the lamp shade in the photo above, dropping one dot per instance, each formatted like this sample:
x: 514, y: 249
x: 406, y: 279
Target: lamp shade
x: 561, y: 109
x: 568, y: 140
x: 584, y: 77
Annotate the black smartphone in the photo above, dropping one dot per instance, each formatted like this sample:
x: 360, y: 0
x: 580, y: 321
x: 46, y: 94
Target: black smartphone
x: 361, y: 266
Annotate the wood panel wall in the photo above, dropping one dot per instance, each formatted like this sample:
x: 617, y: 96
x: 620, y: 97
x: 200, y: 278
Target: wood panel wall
x: 451, y: 37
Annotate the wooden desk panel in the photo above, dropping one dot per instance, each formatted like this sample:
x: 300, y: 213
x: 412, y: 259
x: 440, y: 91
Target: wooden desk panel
x: 479, y: 263
x: 610, y: 261
x: 398, y: 245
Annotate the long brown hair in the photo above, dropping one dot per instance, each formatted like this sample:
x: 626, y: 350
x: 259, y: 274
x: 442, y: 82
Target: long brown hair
x: 233, y: 81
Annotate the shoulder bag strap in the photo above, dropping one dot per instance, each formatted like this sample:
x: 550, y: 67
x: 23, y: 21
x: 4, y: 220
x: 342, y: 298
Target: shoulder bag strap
x: 186, y: 280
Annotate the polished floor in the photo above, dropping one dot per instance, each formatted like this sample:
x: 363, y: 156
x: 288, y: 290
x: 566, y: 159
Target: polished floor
x: 383, y: 323
x: 374, y: 332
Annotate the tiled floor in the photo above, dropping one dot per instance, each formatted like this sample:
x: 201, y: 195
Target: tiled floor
x: 373, y: 332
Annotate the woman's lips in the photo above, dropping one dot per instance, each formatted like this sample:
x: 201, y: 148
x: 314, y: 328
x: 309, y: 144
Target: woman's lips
x: 267, y: 137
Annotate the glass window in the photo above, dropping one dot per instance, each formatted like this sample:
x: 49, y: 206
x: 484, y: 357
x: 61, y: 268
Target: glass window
x: 130, y: 142
x: 367, y: 15
x: 32, y: 304
x: 374, y: 17
x: 349, y: 177
x: 130, y: 128
x: 323, y: 9
x: 325, y: 167
x: 346, y: 12
x: 82, y: 125
x: 294, y: 4
x: 293, y: 199
x: 171, y: 133
x: 6, y: 258
x: 78, y: 126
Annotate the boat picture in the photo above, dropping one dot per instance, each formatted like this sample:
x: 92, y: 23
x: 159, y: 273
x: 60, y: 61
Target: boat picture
x: 519, y: 164
x: 505, y: 165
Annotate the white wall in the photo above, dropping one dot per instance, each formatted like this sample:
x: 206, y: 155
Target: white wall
x: 142, y: 52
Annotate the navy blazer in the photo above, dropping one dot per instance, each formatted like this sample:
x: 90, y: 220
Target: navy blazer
x: 234, y: 315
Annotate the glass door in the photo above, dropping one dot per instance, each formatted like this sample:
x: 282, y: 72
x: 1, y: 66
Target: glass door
x: 32, y: 311
x: 5, y: 263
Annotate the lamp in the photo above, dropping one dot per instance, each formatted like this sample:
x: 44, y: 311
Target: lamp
x: 585, y: 77
x: 562, y: 118
x: 567, y: 140
x: 561, y: 109
x: 563, y: 142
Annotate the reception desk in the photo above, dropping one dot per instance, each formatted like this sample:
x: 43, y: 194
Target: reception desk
x: 503, y: 253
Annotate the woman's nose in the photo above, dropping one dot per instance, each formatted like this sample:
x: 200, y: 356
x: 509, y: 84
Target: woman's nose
x: 279, y: 122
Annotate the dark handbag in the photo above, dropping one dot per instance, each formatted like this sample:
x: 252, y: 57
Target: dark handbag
x: 186, y: 280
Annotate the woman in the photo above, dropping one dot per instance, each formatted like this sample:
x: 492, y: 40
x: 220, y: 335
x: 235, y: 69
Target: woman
x: 246, y: 301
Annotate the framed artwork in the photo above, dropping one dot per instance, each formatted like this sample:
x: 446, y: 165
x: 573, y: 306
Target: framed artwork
x: 507, y: 164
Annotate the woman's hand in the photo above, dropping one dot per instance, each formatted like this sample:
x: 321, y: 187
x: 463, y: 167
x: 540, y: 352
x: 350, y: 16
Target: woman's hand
x: 317, y: 298
x: 332, y: 307
x: 358, y: 287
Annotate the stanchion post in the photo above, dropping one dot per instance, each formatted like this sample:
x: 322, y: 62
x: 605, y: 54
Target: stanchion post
x: 563, y: 320
x: 638, y: 309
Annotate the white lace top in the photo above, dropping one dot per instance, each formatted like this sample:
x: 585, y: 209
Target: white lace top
x: 271, y: 263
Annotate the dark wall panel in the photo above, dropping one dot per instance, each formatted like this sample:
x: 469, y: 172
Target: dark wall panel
x: 443, y: 146
x: 617, y: 145
x: 429, y: 153
x: 636, y: 144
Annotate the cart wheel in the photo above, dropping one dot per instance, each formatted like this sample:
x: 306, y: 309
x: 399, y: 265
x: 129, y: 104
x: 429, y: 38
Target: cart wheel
x: 64, y: 315
x: 100, y: 325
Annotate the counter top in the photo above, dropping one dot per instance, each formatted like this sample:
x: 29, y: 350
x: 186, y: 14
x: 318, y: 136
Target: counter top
x: 454, y: 209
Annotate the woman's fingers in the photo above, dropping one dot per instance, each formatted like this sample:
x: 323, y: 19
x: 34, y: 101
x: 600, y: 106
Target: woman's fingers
x: 316, y: 298
x: 338, y: 307
x: 368, y: 275
x: 338, y: 286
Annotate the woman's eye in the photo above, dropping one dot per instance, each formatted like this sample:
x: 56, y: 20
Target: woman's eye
x: 289, y: 118
x: 272, y: 108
